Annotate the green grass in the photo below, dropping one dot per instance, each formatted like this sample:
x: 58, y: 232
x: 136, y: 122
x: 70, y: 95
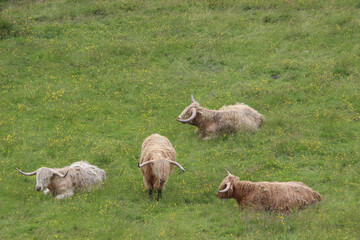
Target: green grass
x: 92, y: 79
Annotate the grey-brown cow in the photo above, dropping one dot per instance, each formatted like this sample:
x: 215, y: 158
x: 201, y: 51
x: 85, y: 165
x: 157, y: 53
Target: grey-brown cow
x: 228, y: 119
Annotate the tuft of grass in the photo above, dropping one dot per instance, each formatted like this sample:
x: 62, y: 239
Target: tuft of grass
x: 6, y: 28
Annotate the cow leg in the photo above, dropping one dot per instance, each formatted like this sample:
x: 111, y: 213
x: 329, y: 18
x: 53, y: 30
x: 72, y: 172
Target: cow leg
x: 65, y: 195
x: 209, y: 137
x: 150, y: 193
x: 209, y: 132
x: 65, y: 192
x: 46, y: 191
x: 159, y: 188
x: 159, y: 195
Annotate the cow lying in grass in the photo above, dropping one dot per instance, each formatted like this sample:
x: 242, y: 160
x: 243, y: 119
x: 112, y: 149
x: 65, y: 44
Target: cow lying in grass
x: 228, y: 119
x: 273, y: 196
x: 63, y: 182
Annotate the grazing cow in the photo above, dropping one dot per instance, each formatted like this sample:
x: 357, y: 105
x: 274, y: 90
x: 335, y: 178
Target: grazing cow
x: 157, y: 161
x: 228, y: 119
x: 63, y: 182
x: 274, y: 196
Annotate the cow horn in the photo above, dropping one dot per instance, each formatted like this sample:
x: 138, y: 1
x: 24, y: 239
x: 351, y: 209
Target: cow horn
x: 229, y: 172
x: 177, y: 164
x: 146, y: 163
x: 193, y: 115
x: 228, y: 184
x: 59, y: 174
x: 193, y: 100
x: 26, y: 174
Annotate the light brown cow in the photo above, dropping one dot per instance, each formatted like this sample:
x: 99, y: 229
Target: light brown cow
x: 274, y: 196
x: 157, y: 161
x: 228, y: 119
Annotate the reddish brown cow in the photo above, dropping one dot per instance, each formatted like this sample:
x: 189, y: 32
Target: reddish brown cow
x: 274, y: 196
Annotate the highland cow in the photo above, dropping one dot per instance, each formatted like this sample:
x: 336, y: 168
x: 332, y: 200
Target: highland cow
x: 270, y: 196
x: 228, y: 119
x: 157, y: 161
x: 63, y: 182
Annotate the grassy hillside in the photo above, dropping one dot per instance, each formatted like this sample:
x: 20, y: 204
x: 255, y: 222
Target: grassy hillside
x: 86, y: 79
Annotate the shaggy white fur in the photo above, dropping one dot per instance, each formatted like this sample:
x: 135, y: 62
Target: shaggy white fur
x: 63, y: 182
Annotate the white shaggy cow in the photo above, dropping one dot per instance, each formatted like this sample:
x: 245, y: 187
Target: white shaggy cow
x: 227, y: 119
x: 63, y: 182
x: 156, y: 163
x: 274, y: 196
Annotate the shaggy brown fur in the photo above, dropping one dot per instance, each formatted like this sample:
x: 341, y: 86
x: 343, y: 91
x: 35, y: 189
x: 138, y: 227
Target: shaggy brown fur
x: 158, y: 149
x: 274, y: 196
x: 228, y: 119
x: 78, y: 176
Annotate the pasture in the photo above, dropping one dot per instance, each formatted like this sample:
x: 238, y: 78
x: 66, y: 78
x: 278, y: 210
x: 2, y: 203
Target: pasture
x: 91, y: 79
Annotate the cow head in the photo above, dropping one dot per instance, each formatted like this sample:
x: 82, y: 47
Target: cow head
x: 43, y: 176
x: 189, y: 113
x: 226, y: 188
x: 161, y: 168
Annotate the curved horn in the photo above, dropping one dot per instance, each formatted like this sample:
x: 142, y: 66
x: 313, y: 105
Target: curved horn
x: 146, y: 163
x: 59, y: 174
x: 177, y: 164
x: 26, y: 174
x: 193, y: 115
x: 228, y: 184
x: 193, y: 100
x: 229, y: 172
